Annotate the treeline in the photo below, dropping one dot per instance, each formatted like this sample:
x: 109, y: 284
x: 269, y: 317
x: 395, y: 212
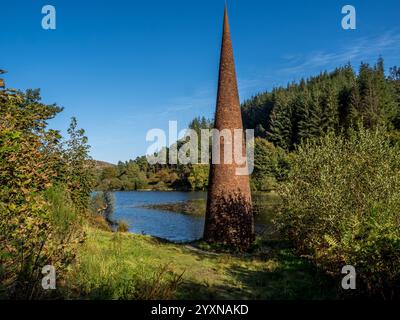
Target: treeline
x: 329, y: 102
x: 138, y: 174
x: 282, y: 119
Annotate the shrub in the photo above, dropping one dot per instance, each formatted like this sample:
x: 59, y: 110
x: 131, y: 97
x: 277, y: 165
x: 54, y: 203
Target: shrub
x: 50, y: 239
x: 341, y: 206
x: 198, y: 176
x: 100, y: 223
x: 160, y: 186
x: 44, y: 185
x: 123, y: 226
x: 103, y: 204
x: 66, y: 231
x: 270, y: 165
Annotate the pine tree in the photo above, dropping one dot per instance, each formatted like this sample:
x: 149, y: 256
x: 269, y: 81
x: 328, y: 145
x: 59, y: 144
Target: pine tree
x: 310, y: 115
x: 370, y: 109
x: 332, y: 101
x: 394, y: 80
x: 386, y: 94
x: 330, y: 109
x: 280, y: 122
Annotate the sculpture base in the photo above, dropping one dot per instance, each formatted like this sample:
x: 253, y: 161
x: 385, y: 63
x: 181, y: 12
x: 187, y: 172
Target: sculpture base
x: 230, y: 221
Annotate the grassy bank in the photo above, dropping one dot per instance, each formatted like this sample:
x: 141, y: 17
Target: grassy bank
x: 128, y: 266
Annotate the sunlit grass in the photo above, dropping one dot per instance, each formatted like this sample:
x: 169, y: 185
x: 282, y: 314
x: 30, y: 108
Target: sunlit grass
x: 128, y: 266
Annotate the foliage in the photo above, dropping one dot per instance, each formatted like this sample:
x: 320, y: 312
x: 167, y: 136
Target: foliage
x: 102, y: 207
x: 126, y: 176
x: 198, y: 176
x: 123, y: 226
x: 138, y: 174
x: 40, y: 195
x: 329, y: 102
x: 271, y: 165
x: 103, y: 204
x: 341, y: 206
x: 79, y: 167
x: 106, y: 270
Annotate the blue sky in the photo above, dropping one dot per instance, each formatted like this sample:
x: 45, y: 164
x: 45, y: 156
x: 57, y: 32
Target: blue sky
x: 124, y: 67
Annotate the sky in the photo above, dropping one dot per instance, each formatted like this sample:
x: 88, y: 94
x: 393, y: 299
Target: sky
x: 125, y: 67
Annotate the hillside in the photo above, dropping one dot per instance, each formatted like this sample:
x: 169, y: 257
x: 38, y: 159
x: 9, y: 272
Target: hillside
x: 102, y: 164
x: 328, y: 102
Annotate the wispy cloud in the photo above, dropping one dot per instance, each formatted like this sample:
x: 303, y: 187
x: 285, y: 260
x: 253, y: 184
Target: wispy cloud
x: 248, y: 87
x: 202, y: 100
x: 363, y: 48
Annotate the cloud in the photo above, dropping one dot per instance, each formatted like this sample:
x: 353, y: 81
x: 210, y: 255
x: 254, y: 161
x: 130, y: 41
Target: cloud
x: 362, y: 48
x: 249, y: 87
x: 203, y: 100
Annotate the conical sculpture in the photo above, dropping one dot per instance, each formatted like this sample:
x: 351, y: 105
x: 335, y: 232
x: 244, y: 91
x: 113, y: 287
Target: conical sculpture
x: 229, y: 216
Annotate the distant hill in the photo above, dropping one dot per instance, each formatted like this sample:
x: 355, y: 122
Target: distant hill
x: 103, y: 164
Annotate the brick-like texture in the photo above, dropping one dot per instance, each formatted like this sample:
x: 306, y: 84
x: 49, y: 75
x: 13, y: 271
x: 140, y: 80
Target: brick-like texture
x: 229, y: 216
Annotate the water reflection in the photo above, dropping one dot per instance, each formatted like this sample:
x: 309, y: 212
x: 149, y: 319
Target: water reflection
x: 130, y: 206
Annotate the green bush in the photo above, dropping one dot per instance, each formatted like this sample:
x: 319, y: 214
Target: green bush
x: 198, y: 176
x: 45, y: 184
x: 271, y: 165
x: 63, y: 215
x: 341, y: 206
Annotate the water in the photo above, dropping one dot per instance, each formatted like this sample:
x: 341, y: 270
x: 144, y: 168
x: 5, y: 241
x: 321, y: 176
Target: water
x: 163, y: 224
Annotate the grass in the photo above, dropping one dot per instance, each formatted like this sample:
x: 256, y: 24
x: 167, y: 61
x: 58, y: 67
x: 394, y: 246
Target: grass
x: 128, y: 266
x: 264, y: 205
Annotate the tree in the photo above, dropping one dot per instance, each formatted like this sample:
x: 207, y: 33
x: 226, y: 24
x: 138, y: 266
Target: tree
x: 2, y: 84
x: 198, y: 176
x: 334, y: 101
x: 132, y: 177
x: 394, y: 80
x: 281, y: 126
x: 270, y: 165
x: 341, y: 205
x: 80, y: 167
x: 330, y: 109
x: 198, y: 124
x: 36, y: 228
x: 377, y: 103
